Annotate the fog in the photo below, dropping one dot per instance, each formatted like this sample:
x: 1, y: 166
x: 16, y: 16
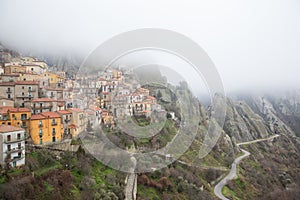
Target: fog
x: 254, y: 44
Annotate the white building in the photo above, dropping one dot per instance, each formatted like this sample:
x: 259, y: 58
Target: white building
x: 12, y: 145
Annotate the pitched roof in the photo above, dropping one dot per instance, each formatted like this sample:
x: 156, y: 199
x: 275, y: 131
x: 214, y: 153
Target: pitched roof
x: 4, y: 109
x: 50, y: 114
x: 72, y: 126
x: 11, y: 83
x: 64, y: 112
x: 15, y: 110
x: 142, y: 90
x: 76, y: 109
x: 38, y: 116
x: 8, y: 128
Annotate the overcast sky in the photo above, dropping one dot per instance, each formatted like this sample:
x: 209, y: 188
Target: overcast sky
x: 253, y: 43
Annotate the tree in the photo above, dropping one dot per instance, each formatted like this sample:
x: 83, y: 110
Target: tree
x: 159, y: 95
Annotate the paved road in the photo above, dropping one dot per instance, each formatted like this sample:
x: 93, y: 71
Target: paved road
x: 232, y: 173
x: 131, y: 182
x: 258, y: 140
x: 130, y: 190
x: 230, y: 176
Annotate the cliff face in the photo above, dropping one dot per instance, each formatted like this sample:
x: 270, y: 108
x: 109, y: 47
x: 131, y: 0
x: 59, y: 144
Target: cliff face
x: 281, y: 112
x: 272, y: 170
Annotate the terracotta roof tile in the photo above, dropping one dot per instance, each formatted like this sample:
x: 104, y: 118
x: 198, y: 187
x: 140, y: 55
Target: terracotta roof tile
x: 8, y: 128
x: 7, y: 84
x: 72, y: 126
x: 64, y: 112
x: 76, y: 110
x: 50, y: 114
x: 16, y: 110
x: 38, y: 116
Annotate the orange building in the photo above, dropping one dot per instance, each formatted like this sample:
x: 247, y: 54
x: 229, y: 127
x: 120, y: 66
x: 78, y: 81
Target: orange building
x: 18, y: 117
x: 46, y: 128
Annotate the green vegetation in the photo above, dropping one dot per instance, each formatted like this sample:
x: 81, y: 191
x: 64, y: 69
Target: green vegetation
x: 229, y: 193
x: 64, y: 176
x: 141, y: 120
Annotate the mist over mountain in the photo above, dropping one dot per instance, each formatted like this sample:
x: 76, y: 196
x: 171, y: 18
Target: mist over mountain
x: 250, y: 51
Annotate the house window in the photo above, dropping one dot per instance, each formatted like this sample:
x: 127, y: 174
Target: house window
x: 41, y: 132
x: 8, y: 138
x: 19, y: 154
x: 53, y: 131
x: 8, y: 147
x: 53, y: 139
x: 8, y: 96
x: 23, y: 116
x: 41, y: 140
x: 40, y: 123
x: 19, y: 145
x: 19, y: 136
x: 23, y: 87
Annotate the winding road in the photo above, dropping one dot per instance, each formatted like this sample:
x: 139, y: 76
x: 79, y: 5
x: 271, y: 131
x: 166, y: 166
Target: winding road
x: 232, y: 173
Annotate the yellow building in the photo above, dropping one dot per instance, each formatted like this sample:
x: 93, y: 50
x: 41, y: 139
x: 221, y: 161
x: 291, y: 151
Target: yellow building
x: 46, y: 128
x: 18, y: 117
x: 11, y: 69
x: 53, y: 78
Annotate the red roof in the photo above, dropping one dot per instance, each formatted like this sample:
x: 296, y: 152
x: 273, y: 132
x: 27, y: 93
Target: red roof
x: 50, y: 114
x: 7, y: 84
x: 142, y: 90
x: 38, y: 116
x: 8, y: 128
x: 64, y: 112
x: 76, y: 110
x: 15, y: 110
x: 4, y: 109
x: 72, y: 126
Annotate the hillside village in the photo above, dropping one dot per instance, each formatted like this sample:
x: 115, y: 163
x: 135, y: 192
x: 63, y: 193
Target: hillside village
x: 41, y: 107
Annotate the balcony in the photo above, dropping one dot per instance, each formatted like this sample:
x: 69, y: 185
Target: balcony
x: 24, y: 96
x: 54, y: 133
x: 54, y: 123
x: 13, y: 140
x: 40, y: 125
x: 14, y: 159
x: 8, y: 91
x: 9, y: 151
x: 42, y: 107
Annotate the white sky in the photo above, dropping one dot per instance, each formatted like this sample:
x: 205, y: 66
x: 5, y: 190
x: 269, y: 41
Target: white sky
x: 253, y: 43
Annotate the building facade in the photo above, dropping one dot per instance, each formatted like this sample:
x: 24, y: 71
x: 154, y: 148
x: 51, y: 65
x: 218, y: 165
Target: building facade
x: 12, y: 146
